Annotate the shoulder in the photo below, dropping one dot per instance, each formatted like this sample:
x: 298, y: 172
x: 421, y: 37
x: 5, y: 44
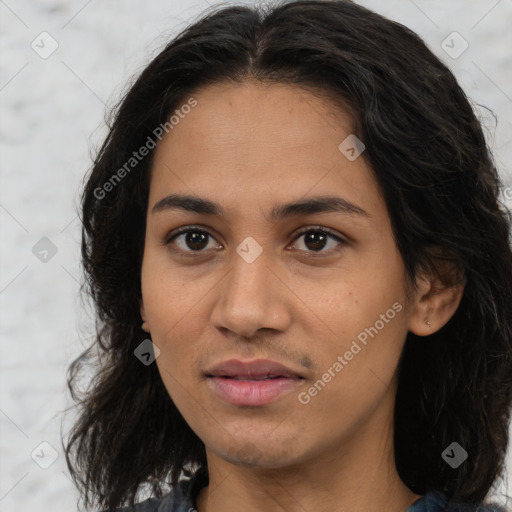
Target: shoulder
x: 181, y: 497
x: 436, y: 501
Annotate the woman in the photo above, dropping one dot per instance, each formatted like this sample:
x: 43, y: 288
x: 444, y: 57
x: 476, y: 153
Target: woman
x: 302, y: 273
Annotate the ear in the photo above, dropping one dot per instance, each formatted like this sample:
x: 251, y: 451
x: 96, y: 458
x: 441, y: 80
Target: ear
x: 145, y: 324
x: 434, y: 304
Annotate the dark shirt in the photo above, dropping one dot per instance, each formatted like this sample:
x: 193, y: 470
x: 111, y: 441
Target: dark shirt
x: 182, y: 498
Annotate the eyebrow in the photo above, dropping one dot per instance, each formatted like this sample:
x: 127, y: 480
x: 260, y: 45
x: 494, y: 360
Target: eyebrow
x: 318, y: 204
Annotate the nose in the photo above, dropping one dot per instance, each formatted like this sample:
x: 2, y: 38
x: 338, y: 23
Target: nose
x: 252, y: 296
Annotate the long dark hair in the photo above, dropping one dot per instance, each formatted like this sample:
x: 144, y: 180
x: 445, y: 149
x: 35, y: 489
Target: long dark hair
x: 429, y: 156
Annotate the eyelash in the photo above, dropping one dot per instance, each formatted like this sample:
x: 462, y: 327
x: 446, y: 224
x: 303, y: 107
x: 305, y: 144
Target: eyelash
x: 314, y: 229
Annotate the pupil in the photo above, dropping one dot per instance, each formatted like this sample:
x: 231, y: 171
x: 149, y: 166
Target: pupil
x: 195, y: 239
x: 313, y: 238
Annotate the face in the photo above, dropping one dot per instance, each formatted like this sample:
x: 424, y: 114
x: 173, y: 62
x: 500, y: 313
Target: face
x: 319, y: 289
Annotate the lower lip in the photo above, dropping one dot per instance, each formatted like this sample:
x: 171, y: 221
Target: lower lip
x: 252, y: 392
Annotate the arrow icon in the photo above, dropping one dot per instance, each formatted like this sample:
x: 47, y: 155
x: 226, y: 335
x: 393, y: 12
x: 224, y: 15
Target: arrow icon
x: 147, y: 352
x: 454, y: 45
x: 249, y: 249
x: 44, y: 455
x: 351, y: 147
x: 44, y: 250
x: 454, y: 455
x: 44, y: 45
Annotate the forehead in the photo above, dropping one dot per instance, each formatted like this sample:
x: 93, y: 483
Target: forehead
x: 245, y: 144
x: 262, y: 117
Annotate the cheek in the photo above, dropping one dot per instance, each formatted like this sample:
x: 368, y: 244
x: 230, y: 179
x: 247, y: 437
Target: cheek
x: 169, y: 307
x: 169, y: 298
x: 359, y: 354
x: 353, y: 376
x: 369, y: 303
x: 178, y: 363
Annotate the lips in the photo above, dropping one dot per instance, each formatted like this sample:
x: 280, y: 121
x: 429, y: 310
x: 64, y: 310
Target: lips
x: 252, y: 384
x: 259, y: 369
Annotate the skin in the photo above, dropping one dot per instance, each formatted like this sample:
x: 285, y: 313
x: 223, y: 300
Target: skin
x: 249, y: 147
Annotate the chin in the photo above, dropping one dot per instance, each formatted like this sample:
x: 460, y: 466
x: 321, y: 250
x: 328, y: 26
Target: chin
x: 263, y: 456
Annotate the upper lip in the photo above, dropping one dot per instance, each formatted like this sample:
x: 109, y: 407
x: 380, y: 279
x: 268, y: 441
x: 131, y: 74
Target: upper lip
x: 251, y: 369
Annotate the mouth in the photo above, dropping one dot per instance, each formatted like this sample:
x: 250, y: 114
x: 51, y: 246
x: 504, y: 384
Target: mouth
x: 259, y: 369
x: 253, y: 383
x: 252, y: 392
x: 252, y: 379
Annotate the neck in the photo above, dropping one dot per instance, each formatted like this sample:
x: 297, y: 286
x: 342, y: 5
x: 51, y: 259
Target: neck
x: 358, y: 474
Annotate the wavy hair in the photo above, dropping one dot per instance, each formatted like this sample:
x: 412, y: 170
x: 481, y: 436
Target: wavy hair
x: 426, y: 148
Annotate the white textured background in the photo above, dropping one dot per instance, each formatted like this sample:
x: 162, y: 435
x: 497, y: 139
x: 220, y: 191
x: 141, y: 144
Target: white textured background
x: 52, y: 113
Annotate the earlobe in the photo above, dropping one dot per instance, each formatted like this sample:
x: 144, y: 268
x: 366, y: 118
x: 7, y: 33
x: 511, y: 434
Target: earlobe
x: 435, y: 304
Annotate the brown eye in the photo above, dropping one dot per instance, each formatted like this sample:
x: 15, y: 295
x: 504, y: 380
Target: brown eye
x: 316, y: 239
x: 190, y: 239
x: 194, y: 240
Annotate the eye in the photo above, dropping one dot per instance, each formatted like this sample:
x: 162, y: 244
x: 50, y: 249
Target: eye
x: 190, y: 239
x: 316, y: 239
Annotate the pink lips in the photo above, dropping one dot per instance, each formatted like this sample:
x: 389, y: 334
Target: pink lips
x: 253, y: 383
